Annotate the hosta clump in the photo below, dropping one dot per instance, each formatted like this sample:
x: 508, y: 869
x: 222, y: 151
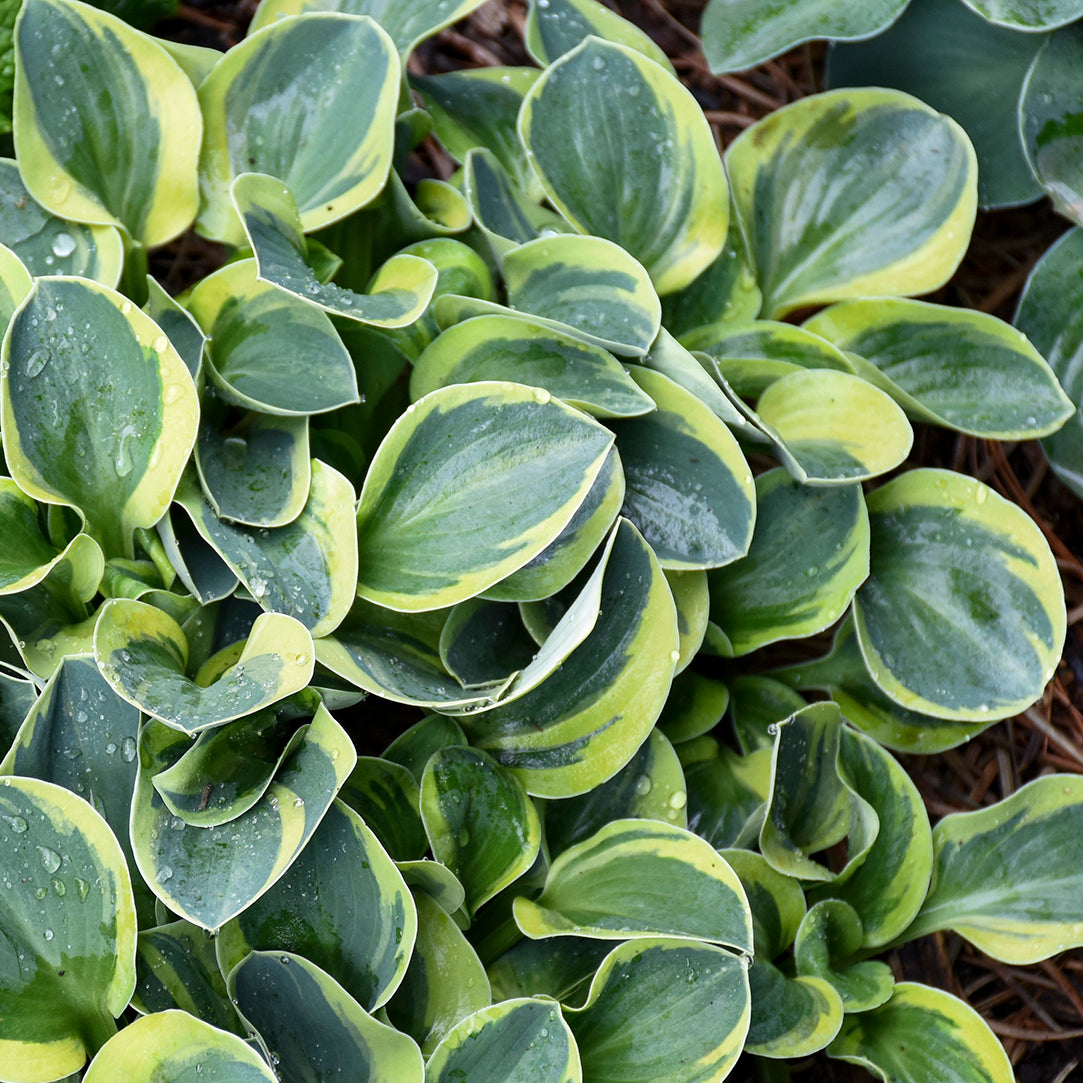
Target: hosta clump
x: 481, y: 449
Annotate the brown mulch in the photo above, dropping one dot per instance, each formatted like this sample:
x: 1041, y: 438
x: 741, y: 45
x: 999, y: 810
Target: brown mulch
x: 1036, y: 1010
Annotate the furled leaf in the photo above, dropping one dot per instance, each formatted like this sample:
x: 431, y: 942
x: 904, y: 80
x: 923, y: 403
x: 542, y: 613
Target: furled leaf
x: 739, y: 34
x: 516, y: 1039
x: 852, y: 193
x: 1006, y: 877
x: 386, y: 796
x: 775, y: 900
x: 727, y: 795
x: 99, y: 411
x: 499, y: 468
x: 955, y: 564
x: 312, y: 76
x: 791, y: 1017
x: 640, y: 878
x: 110, y: 135
x: 69, y: 924
x: 652, y: 181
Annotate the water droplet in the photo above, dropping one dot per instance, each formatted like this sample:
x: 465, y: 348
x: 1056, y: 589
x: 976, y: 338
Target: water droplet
x: 59, y: 886
x: 981, y: 495
x: 127, y: 749
x: 285, y: 960
x: 110, y: 748
x: 63, y: 245
x: 17, y: 824
x: 48, y: 934
x: 171, y: 393
x: 124, y: 463
x: 165, y: 873
x: 35, y: 363
x: 598, y: 63
x: 298, y: 802
x: 541, y: 395
x: 674, y: 656
x: 160, y: 344
x: 464, y: 836
x: 41, y: 892
x: 126, y: 307
x: 82, y: 888
x: 643, y: 785
x: 49, y: 858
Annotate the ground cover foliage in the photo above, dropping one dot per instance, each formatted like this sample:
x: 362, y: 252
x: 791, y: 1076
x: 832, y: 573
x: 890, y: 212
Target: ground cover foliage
x: 484, y: 448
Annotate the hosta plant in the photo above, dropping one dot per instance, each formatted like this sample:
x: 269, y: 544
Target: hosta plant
x: 533, y: 461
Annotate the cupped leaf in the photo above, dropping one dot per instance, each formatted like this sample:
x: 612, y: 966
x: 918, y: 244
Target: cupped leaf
x: 833, y: 428
x: 955, y: 564
x: 739, y: 34
x: 652, y: 182
x: 920, y: 1034
x: 313, y: 76
x: 407, y: 24
x: 1006, y: 877
x: 776, y: 901
x: 516, y: 1039
x: 69, y: 931
x: 307, y: 569
x: 1049, y: 114
x: 955, y: 367
x: 98, y: 411
x: 690, y: 595
x: 555, y: 27
x: 15, y: 284
x: 483, y: 642
x: 29, y: 554
x: 503, y: 348
x: 316, y: 1029
x: 588, y: 287
x: 1049, y: 314
x: 689, y: 489
x: 557, y: 968
x: 177, y: 323
x: 640, y: 878
x: 727, y: 795
x: 444, y: 982
x: 479, y: 821
x: 1028, y: 15
x: 261, y: 336
x: 168, y: 1045
x: 809, y: 554
x: 962, y: 65
x: 498, y: 468
x: 583, y: 723
x: 791, y: 1017
x: 210, y: 875
x: 682, y: 1018
x: 342, y: 905
x: 50, y: 245
x: 851, y: 193
x: 110, y: 134
x: 397, y: 296
x: 17, y: 695
x: 386, y: 796
x: 412, y: 748
x: 143, y: 654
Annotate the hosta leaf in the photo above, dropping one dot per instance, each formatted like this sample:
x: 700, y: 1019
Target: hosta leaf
x: 313, y: 77
x: 690, y: 595
x: 69, y: 924
x: 809, y: 554
x: 751, y: 356
x: 15, y: 284
x: 695, y: 705
x: 479, y: 821
x: 260, y: 336
x: 955, y: 367
x: 1006, y: 877
x: 739, y: 34
x: 484, y: 642
x: 412, y: 748
x: 386, y: 796
x: 99, y: 410
x: 110, y: 135
x: 407, y: 24
x: 564, y: 558
x: 689, y: 489
x: 503, y: 348
x: 775, y: 900
x: 205, y: 574
x: 852, y: 193
x: 955, y: 564
x: 143, y: 654
x: 177, y: 322
x: 652, y: 181
x: 1049, y: 315
x: 650, y: 786
x: 444, y: 982
x: 1029, y: 15
x: 791, y: 1017
x: 169, y: 1045
x: 640, y: 878
x: 843, y: 675
x: 921, y: 1034
x: 516, y: 1039
x: 827, y: 946
x: 962, y: 65
x: 29, y: 555
x: 556, y: 968
x: 442, y: 472
x: 555, y: 27
x: 479, y: 107
x: 833, y: 428
x: 307, y: 569
x: 315, y: 1027
x: 50, y: 245
x: 681, y: 1019
x: 209, y: 875
x: 436, y: 881
x: 887, y: 889
x: 727, y: 796
x: 342, y: 905
x: 176, y: 968
x: 582, y: 724
x: 17, y: 696
x: 396, y: 297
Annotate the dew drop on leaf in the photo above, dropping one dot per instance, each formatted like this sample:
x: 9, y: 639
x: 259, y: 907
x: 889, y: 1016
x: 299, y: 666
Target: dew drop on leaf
x: 82, y: 888
x: 17, y: 824
x: 36, y: 362
x: 63, y: 245
x: 48, y: 934
x: 59, y: 886
x: 49, y: 858
x: 127, y: 749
